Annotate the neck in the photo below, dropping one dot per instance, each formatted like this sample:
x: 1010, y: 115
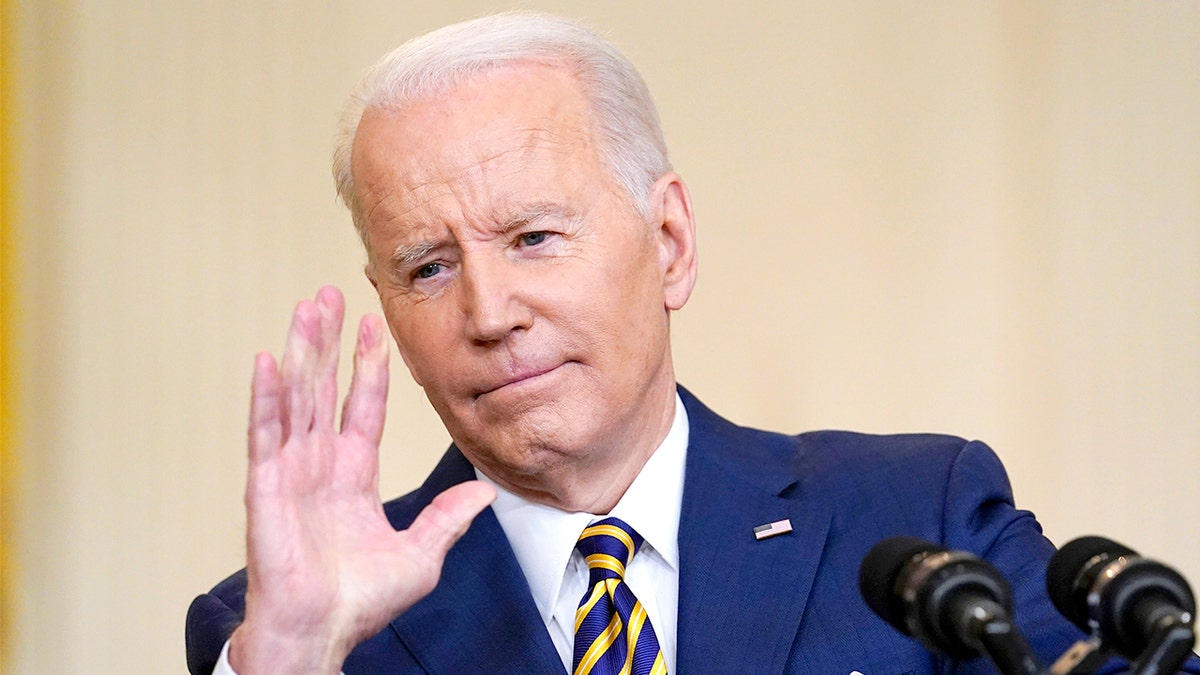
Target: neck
x: 594, y: 481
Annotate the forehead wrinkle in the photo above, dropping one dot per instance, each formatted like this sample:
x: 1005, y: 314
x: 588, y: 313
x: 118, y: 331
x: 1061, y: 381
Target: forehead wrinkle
x: 560, y: 138
x: 423, y: 211
x: 460, y: 174
x: 503, y: 199
x: 395, y: 202
x: 551, y: 138
x: 406, y: 211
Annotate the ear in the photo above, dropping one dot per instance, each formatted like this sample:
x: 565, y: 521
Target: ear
x: 676, y: 238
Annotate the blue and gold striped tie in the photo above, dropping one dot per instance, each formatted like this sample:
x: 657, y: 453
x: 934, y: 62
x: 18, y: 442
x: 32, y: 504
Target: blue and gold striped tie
x: 613, y: 635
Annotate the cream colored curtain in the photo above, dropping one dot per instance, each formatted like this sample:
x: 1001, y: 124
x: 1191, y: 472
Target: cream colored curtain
x: 975, y: 218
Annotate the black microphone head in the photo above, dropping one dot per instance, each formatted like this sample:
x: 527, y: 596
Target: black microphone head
x: 881, y: 568
x: 928, y: 592
x: 1106, y: 588
x: 1072, y: 570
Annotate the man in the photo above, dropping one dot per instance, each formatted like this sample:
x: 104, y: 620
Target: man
x: 528, y: 241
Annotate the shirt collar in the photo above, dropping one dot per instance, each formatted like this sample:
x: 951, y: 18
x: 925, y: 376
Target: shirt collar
x: 543, y: 537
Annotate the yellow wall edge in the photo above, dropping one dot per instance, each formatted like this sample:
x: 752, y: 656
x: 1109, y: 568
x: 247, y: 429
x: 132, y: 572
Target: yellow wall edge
x: 8, y: 276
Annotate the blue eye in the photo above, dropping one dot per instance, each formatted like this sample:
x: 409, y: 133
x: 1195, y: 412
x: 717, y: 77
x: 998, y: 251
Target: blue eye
x: 533, y: 238
x: 426, y: 271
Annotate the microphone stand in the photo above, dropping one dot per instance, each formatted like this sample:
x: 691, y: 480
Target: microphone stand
x: 996, y: 635
x: 1169, y: 646
x: 1083, y: 658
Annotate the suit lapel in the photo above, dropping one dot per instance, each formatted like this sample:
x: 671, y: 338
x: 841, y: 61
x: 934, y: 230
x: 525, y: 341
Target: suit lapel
x: 481, y: 616
x: 741, y: 600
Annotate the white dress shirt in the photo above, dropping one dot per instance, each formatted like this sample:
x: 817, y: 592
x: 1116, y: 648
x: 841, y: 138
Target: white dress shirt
x: 543, y: 539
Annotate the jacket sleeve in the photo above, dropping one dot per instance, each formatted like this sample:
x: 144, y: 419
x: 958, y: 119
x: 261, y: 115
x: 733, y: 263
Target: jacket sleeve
x: 979, y: 517
x: 211, y: 619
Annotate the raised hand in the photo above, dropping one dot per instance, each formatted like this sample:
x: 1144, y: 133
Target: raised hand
x: 325, y: 569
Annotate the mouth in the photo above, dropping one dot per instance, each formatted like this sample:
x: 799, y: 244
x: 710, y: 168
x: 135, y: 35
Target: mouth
x: 520, y: 378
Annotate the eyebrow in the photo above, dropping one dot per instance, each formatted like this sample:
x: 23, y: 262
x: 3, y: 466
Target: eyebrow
x: 408, y: 254
x: 536, y: 212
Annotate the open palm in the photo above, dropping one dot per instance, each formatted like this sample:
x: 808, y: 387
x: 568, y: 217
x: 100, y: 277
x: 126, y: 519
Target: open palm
x: 325, y: 568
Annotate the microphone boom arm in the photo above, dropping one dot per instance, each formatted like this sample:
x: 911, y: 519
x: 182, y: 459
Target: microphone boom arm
x: 991, y: 625
x: 1170, y: 645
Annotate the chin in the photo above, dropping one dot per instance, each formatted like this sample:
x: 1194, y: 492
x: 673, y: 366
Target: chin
x: 533, y: 441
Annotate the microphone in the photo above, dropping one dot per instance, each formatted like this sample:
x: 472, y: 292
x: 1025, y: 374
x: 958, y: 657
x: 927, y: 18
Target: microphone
x: 1141, y: 608
x: 953, y: 602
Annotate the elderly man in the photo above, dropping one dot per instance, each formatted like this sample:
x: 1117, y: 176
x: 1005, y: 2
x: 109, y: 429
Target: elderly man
x: 528, y: 241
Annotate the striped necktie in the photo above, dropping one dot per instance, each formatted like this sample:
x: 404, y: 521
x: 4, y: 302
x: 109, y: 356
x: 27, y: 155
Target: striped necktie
x: 613, y: 635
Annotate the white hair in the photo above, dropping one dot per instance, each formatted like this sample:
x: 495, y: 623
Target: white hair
x: 628, y: 132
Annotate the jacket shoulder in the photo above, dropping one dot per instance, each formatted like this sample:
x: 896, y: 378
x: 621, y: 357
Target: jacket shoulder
x: 842, y: 455
x: 822, y: 460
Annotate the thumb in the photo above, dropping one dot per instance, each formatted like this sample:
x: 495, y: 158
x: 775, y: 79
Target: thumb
x: 448, y: 516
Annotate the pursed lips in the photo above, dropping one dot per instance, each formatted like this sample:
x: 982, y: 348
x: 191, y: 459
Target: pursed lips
x: 519, y: 375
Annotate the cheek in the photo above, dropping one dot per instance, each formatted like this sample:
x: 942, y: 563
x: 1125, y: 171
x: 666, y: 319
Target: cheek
x: 421, y: 344
x: 628, y: 321
x: 638, y: 295
x: 408, y: 354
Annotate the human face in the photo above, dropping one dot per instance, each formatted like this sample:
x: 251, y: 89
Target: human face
x: 527, y: 296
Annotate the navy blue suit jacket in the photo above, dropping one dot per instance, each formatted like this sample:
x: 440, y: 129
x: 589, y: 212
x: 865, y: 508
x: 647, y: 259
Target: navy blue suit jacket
x: 788, y: 604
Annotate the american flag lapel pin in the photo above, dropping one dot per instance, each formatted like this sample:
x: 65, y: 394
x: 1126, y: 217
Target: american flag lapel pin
x: 773, y: 529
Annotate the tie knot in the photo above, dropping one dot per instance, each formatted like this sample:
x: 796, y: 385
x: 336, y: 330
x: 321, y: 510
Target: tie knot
x: 608, y: 545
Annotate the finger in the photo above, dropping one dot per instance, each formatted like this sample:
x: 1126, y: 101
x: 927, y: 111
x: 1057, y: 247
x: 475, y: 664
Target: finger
x: 331, y: 307
x: 366, y: 403
x: 299, y: 368
x: 448, y: 516
x: 265, y: 429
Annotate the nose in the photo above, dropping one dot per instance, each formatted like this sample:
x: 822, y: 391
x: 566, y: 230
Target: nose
x: 491, y: 299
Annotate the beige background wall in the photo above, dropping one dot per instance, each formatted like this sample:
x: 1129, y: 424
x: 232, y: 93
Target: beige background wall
x: 979, y: 218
